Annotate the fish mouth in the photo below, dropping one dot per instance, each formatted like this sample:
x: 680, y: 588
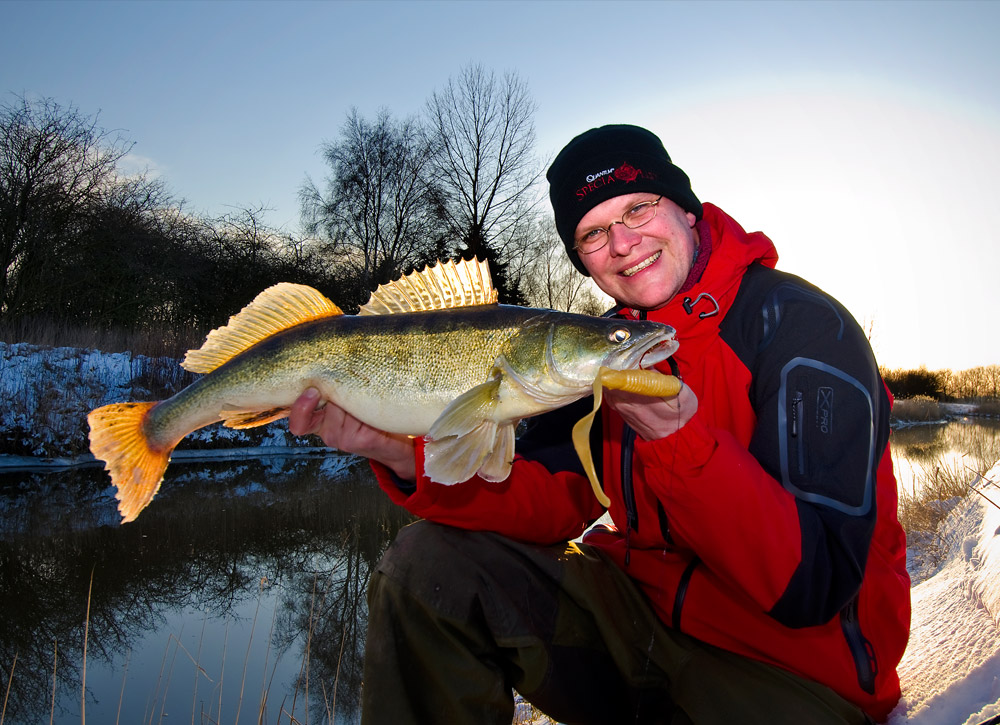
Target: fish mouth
x: 648, y: 350
x: 658, y: 353
x: 635, y: 269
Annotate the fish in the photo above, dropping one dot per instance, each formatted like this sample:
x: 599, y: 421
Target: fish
x: 431, y: 354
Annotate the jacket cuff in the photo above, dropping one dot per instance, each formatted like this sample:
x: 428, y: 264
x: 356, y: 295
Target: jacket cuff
x: 686, y: 451
x: 399, y: 489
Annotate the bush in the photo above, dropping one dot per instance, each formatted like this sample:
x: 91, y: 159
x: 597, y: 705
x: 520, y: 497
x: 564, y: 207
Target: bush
x: 919, y: 408
x: 911, y: 383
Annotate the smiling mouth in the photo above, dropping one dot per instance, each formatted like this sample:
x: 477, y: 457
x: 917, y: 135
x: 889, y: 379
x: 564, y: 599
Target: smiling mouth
x: 642, y: 265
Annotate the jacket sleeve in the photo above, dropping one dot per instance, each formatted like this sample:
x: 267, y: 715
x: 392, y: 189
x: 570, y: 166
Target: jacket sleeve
x: 546, y: 499
x: 789, y: 518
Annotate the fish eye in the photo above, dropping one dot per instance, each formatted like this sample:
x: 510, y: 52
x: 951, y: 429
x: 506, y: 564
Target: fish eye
x: 619, y: 334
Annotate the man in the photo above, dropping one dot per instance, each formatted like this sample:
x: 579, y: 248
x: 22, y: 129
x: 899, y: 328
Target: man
x: 755, y: 571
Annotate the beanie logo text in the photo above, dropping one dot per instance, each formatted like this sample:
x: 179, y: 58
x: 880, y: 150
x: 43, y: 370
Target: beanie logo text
x: 624, y: 172
x: 599, y: 174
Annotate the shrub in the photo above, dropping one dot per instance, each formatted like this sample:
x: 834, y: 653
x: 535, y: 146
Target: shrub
x: 918, y: 408
x: 911, y: 383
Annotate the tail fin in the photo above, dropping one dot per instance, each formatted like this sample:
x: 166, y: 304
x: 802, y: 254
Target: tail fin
x: 136, y: 468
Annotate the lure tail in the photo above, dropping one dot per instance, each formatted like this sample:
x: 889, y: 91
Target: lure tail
x: 643, y: 382
x: 136, y: 466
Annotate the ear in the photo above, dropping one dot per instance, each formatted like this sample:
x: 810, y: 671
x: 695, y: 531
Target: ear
x: 692, y: 219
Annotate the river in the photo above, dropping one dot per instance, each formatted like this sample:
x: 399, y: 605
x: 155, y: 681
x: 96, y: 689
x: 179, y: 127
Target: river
x: 238, y: 595
x: 961, y: 446
x: 239, y: 591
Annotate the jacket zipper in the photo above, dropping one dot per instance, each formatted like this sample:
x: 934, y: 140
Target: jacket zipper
x: 798, y: 410
x: 681, y: 594
x: 628, y: 490
x: 861, y: 649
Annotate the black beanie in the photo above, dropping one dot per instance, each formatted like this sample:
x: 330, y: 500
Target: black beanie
x: 609, y: 161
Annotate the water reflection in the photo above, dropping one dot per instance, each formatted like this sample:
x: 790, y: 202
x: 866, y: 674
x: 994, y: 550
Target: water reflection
x: 242, y: 583
x: 239, y: 591
x: 967, y: 445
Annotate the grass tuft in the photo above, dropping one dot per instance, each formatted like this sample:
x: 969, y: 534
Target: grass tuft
x: 151, y: 340
x: 934, y: 495
x: 918, y: 408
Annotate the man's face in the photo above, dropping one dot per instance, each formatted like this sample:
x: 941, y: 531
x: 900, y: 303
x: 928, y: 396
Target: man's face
x: 644, y: 267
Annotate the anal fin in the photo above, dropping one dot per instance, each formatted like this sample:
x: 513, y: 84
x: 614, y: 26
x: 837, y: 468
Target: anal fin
x: 252, y: 418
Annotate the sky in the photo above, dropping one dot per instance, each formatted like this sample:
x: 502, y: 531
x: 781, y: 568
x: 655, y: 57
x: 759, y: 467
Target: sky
x: 862, y: 137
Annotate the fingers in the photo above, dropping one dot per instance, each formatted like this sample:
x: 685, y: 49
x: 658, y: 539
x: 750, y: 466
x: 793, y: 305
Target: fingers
x: 311, y: 415
x: 306, y: 414
x: 654, y: 418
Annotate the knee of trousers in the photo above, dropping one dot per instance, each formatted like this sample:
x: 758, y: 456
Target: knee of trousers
x: 470, y: 574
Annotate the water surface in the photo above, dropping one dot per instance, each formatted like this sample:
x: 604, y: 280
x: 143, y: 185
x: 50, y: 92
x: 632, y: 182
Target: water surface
x: 240, y: 590
x: 961, y: 446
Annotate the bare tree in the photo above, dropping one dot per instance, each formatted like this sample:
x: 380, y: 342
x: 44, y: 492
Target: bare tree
x: 55, y: 164
x: 550, y: 279
x: 377, y: 215
x: 982, y: 381
x: 484, y: 133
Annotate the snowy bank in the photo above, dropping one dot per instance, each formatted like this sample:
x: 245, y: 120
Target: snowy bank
x: 950, y: 672
x: 48, y: 392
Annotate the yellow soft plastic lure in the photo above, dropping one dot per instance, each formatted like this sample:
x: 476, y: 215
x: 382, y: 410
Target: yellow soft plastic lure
x: 643, y: 382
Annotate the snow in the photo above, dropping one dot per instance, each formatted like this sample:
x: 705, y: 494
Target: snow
x: 47, y: 393
x: 951, y: 669
x: 950, y: 672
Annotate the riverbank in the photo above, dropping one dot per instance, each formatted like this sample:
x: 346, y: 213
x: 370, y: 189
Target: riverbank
x: 923, y: 410
x: 949, y: 672
x: 48, y: 392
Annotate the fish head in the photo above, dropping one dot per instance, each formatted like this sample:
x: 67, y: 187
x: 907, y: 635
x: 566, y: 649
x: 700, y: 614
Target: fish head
x: 558, y: 355
x: 581, y: 347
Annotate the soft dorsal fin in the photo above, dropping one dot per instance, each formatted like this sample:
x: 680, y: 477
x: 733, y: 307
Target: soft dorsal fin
x: 275, y: 309
x: 447, y: 284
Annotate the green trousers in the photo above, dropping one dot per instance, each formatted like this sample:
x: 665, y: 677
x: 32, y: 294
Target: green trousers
x: 458, y: 619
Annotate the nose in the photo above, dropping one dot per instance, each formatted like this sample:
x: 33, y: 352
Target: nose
x: 621, y: 239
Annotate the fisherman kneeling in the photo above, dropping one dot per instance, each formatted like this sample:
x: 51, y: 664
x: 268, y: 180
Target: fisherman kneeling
x: 755, y: 571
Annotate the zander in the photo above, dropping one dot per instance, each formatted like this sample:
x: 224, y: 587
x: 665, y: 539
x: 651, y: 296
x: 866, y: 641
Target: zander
x: 431, y: 354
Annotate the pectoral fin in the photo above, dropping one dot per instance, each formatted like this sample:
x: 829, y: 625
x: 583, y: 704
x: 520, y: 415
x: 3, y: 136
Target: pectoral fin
x: 497, y: 465
x: 465, y: 413
x: 465, y: 439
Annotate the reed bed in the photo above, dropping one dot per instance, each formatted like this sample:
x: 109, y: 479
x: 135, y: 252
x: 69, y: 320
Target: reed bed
x: 156, y: 711
x: 151, y: 340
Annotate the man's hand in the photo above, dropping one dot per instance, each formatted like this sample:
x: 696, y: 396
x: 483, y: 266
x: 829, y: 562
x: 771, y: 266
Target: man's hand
x: 654, y: 418
x: 341, y: 430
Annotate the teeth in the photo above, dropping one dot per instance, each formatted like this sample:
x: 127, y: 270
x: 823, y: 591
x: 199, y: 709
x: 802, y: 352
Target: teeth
x: 642, y: 265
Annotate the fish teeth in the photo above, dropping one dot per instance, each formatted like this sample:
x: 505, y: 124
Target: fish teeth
x: 642, y: 265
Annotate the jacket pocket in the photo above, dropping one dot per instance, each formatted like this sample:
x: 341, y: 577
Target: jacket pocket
x: 826, y: 437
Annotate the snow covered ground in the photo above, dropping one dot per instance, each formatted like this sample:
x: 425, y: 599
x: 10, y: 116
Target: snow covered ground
x: 950, y: 672
x: 46, y: 394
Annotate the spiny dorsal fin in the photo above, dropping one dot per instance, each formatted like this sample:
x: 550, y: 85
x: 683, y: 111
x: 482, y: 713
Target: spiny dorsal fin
x: 448, y: 284
x: 275, y: 309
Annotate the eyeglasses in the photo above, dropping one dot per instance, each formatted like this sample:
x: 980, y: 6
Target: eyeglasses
x: 635, y: 217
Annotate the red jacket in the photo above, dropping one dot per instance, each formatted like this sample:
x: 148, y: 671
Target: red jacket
x: 766, y: 525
